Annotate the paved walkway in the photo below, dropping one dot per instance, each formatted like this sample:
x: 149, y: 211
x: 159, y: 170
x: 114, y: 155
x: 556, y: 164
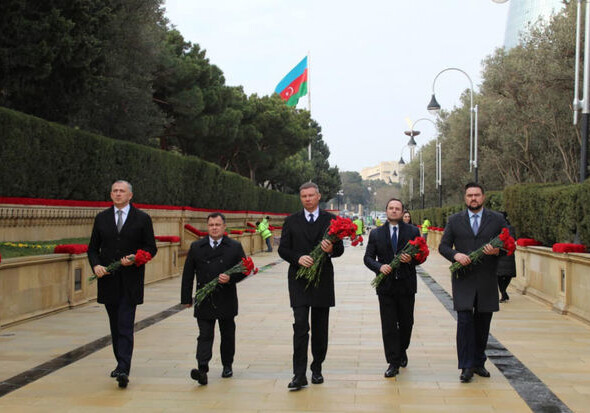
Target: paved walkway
x: 554, y: 348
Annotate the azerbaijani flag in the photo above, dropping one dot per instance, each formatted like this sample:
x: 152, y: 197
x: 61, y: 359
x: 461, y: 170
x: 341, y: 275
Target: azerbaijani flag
x: 294, y: 85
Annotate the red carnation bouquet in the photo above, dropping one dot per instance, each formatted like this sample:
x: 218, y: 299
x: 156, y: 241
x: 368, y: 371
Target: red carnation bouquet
x: 566, y: 247
x: 503, y: 241
x: 339, y: 229
x: 415, y: 248
x: 528, y: 242
x: 140, y: 258
x: 246, y: 267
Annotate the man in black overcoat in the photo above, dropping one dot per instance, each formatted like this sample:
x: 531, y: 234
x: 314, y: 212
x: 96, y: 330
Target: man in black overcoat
x: 475, y: 290
x: 207, y: 259
x: 397, y: 291
x: 118, y: 233
x: 301, y: 233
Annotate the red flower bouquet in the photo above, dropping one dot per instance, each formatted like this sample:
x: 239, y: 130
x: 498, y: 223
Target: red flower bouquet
x: 503, y: 241
x: 416, y: 248
x: 246, y: 267
x: 339, y: 229
x: 140, y: 258
x: 528, y: 242
x: 195, y: 231
x: 565, y: 247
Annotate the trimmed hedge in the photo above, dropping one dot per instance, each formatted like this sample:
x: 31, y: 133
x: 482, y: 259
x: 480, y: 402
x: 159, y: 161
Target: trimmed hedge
x: 549, y: 213
x: 47, y: 160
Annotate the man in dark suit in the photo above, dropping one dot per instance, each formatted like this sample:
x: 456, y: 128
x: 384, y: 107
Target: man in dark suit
x: 475, y: 290
x: 117, y: 234
x: 398, y: 289
x: 302, y: 231
x: 207, y: 259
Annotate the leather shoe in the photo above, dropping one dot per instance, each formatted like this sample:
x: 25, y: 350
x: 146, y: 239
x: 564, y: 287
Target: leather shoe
x: 115, y: 373
x: 466, y: 375
x: 317, y: 378
x: 481, y: 371
x: 391, y: 371
x: 123, y: 380
x: 297, y: 382
x: 199, y: 375
x: 404, y: 360
x: 227, y: 372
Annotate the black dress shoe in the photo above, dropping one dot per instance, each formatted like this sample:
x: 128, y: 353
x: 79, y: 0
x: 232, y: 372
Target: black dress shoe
x: 115, y: 373
x: 297, y: 383
x: 481, y: 371
x: 199, y: 375
x: 404, y: 360
x: 391, y: 371
x: 317, y: 378
x: 123, y: 380
x: 466, y: 375
x: 227, y: 372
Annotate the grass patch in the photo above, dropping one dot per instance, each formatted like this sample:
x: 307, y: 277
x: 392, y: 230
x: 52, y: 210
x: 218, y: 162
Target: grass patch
x: 13, y: 249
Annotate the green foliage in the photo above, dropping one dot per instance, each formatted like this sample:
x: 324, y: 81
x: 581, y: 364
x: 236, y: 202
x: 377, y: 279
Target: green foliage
x: 46, y: 160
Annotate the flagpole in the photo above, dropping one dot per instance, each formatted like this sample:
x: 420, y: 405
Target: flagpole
x: 309, y: 96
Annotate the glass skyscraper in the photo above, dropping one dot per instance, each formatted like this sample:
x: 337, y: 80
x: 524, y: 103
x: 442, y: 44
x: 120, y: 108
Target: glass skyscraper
x: 523, y: 13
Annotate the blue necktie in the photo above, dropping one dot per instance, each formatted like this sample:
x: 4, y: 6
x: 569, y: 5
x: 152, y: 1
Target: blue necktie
x: 475, y: 225
x: 394, y: 240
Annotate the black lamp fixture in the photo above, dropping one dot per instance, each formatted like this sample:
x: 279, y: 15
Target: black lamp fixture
x: 433, y: 107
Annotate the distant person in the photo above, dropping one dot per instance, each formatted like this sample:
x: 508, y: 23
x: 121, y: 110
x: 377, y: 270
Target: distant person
x: 425, y: 226
x: 475, y: 291
x: 302, y: 232
x: 117, y: 234
x: 207, y: 259
x: 506, y: 267
x: 378, y: 222
x: 407, y: 218
x: 360, y: 228
x: 263, y: 228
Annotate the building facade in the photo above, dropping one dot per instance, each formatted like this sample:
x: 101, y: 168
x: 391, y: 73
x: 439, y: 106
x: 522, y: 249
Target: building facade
x: 388, y: 171
x: 524, y: 13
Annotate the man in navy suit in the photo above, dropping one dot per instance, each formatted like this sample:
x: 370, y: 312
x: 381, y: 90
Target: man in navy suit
x: 118, y: 233
x: 207, y: 260
x: 302, y: 231
x: 397, y: 291
x: 475, y: 290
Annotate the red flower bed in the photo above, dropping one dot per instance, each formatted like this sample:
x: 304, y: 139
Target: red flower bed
x: 251, y: 231
x: 528, y: 242
x: 251, y: 225
x: 271, y: 227
x: 167, y: 238
x: 195, y: 231
x: 236, y: 231
x: 565, y: 247
x: 70, y: 249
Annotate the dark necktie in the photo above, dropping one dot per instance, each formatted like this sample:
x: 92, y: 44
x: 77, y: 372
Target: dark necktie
x: 394, y: 240
x: 215, y: 244
x: 310, y: 218
x: 119, y: 220
x: 475, y: 225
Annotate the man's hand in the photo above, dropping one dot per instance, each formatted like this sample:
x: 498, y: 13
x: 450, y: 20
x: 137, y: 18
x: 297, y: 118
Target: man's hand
x: 126, y: 261
x: 100, y: 271
x: 327, y: 246
x: 489, y: 250
x: 405, y: 258
x: 462, y: 259
x: 305, y: 261
x: 223, y: 278
x: 385, y: 269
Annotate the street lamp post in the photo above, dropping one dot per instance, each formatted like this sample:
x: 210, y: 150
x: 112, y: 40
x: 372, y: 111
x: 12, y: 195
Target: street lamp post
x: 583, y: 104
x: 434, y: 108
x: 438, y: 161
x: 338, y: 195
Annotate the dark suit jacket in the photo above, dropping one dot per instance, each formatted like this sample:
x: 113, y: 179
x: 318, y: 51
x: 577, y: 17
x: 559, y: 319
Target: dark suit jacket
x: 479, y: 278
x: 206, y: 264
x: 107, y: 245
x: 298, y: 238
x: 380, y: 251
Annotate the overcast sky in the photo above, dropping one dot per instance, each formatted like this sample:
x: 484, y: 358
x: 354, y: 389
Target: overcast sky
x: 372, y: 62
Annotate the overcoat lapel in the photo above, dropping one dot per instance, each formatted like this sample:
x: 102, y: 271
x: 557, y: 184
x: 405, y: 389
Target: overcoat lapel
x: 466, y: 223
x: 130, y: 218
x: 484, y: 221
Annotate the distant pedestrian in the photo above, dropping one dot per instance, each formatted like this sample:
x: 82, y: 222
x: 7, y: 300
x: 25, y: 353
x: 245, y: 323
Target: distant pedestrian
x: 425, y: 225
x: 360, y: 228
x: 407, y: 217
x: 263, y: 228
x: 506, y: 267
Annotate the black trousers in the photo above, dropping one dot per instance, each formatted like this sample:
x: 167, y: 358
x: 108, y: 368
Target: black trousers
x: 268, y: 244
x: 473, y: 329
x: 121, y: 321
x: 319, y: 338
x: 503, y: 282
x: 397, y: 320
x: 227, y: 348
